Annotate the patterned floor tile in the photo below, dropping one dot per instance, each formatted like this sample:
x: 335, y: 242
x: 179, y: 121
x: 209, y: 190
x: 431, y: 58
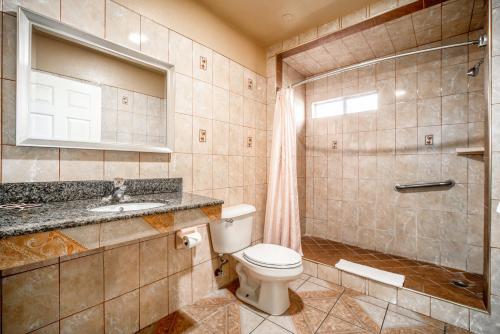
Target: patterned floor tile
x: 249, y: 320
x: 295, y: 284
x: 316, y: 307
x: 360, y: 313
x: 365, y: 298
x: 300, y: 318
x: 318, y: 296
x: 305, y: 277
x: 176, y: 323
x: 252, y: 309
x: 209, y: 305
x: 225, y: 320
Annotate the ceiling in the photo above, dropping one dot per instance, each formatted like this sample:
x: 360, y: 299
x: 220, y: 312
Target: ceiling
x: 262, y: 21
x: 448, y: 22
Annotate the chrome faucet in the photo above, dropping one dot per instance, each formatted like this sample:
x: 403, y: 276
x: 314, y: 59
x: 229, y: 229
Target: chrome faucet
x: 118, y: 193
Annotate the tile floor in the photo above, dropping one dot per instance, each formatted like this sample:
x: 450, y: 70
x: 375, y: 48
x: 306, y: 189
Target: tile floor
x: 316, y: 306
x: 420, y: 276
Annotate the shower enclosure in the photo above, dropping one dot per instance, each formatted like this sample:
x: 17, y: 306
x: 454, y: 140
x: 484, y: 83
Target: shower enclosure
x: 394, y: 148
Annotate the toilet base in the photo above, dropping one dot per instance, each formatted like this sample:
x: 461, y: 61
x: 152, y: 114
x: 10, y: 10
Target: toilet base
x: 268, y: 296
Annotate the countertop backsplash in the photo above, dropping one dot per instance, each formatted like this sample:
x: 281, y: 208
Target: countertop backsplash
x: 46, y: 192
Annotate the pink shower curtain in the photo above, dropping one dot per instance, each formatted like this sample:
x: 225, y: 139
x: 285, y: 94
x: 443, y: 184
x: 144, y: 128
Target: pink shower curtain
x: 282, y: 225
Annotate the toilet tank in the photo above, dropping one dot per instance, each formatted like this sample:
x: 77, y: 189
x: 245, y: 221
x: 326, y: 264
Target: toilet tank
x: 234, y: 231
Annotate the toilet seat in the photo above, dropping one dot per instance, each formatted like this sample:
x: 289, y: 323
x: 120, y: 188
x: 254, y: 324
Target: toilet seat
x: 272, y: 256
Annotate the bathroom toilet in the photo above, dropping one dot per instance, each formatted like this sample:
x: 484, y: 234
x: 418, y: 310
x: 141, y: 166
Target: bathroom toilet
x: 264, y: 270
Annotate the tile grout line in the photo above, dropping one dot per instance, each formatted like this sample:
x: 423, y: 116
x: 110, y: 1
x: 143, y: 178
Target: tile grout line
x: 329, y: 312
x: 385, y: 315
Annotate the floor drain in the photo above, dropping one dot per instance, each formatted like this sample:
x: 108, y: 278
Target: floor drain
x: 459, y: 283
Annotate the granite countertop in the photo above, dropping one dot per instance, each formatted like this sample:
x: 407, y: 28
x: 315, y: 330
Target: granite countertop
x: 56, y: 215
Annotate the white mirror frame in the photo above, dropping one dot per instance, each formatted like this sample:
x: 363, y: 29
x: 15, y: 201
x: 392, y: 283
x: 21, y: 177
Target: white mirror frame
x: 26, y: 20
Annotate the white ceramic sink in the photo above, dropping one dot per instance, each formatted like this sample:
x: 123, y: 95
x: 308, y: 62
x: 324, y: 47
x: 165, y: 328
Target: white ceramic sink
x: 123, y: 207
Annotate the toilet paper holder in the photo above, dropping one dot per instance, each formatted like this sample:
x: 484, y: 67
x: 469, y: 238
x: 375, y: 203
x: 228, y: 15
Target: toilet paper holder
x: 180, y: 241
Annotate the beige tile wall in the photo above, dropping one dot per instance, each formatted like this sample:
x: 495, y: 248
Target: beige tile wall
x: 350, y: 195
x: 138, y: 120
x: 476, y: 321
x: 217, y: 100
x: 118, y: 289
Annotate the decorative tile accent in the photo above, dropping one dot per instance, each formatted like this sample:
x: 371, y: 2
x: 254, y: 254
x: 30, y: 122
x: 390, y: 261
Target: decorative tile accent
x: 36, y: 247
x: 162, y: 222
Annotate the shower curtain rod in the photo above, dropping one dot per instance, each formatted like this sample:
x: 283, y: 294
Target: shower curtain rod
x: 481, y: 41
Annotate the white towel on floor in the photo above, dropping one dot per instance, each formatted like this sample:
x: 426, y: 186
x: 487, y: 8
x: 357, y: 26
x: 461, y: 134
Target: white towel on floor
x: 381, y: 276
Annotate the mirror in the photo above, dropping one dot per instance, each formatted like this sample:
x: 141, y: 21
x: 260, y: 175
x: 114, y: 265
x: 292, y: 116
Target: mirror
x: 80, y: 91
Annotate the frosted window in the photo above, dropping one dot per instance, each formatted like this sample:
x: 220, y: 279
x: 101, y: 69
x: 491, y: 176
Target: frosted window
x: 361, y: 103
x: 345, y: 105
x: 328, y: 108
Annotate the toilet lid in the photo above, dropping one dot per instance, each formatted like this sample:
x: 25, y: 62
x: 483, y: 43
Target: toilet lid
x: 272, y: 256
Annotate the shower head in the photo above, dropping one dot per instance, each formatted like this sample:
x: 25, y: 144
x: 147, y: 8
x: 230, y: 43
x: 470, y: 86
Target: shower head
x: 474, y: 70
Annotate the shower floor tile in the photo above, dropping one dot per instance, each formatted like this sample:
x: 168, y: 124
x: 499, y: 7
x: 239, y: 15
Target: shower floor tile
x: 420, y: 276
x: 316, y: 306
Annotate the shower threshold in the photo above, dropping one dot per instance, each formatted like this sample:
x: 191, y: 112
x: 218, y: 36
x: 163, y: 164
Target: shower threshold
x: 423, y: 277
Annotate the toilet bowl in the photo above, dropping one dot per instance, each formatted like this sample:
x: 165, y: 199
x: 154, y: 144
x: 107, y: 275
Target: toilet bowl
x: 264, y: 276
x: 264, y: 270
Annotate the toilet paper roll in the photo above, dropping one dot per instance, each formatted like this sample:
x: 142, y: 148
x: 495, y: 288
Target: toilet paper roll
x: 192, y: 239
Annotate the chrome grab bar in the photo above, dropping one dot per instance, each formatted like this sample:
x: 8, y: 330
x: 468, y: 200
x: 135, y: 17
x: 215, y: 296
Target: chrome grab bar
x: 447, y: 183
